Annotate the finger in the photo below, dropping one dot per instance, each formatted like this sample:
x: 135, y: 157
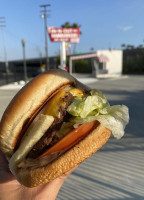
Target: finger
x: 55, y: 185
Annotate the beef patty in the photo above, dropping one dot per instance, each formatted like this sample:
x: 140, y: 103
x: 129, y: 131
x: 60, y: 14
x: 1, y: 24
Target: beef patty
x: 48, y: 139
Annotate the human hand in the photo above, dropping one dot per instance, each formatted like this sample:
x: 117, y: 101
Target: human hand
x: 11, y: 189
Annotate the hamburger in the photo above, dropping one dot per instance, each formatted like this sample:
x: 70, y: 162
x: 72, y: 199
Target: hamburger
x: 53, y: 124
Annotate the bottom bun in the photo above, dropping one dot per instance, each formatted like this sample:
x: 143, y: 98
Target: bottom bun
x: 80, y: 152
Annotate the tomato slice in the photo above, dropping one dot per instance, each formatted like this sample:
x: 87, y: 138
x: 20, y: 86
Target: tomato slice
x: 71, y: 138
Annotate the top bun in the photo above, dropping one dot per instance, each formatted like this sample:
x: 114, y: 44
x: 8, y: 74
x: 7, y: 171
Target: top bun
x: 27, y: 102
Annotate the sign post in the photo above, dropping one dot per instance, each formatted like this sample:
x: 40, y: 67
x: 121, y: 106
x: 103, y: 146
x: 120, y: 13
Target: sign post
x: 63, y: 55
x: 64, y: 35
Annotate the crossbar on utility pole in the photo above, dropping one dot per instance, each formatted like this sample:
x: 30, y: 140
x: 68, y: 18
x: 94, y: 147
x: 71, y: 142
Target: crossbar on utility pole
x: 44, y: 15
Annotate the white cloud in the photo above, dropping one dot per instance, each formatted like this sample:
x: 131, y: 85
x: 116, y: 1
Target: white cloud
x: 125, y: 28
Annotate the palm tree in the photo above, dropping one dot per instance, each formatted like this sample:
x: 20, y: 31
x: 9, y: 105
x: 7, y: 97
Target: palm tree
x: 92, y: 49
x: 123, y: 46
x: 66, y: 25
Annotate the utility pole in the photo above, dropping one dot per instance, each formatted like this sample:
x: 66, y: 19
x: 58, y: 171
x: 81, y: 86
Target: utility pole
x: 24, y: 60
x: 45, y: 15
x: 2, y: 25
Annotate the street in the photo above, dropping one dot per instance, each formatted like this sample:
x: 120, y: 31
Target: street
x: 116, y: 172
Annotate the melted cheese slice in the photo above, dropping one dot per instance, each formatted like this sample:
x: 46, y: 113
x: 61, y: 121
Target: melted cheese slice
x: 56, y: 102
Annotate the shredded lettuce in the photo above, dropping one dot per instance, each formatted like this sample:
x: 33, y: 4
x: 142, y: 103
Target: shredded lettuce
x: 96, y: 107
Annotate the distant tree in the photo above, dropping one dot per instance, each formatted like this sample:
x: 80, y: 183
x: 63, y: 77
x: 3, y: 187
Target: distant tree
x: 140, y: 62
x: 133, y: 58
x: 91, y: 49
x: 140, y: 46
x: 81, y: 66
x: 130, y: 46
x: 123, y: 45
x: 66, y: 25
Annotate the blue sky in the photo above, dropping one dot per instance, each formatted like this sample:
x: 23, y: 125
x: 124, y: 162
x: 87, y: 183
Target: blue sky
x: 104, y: 24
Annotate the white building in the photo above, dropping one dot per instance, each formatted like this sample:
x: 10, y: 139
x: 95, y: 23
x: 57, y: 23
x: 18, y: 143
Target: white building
x: 113, y: 65
x: 105, y: 63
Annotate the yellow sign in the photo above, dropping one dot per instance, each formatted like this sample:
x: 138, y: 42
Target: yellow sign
x: 44, y: 66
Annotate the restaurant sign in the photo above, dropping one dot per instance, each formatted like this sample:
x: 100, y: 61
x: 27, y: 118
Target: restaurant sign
x: 64, y: 34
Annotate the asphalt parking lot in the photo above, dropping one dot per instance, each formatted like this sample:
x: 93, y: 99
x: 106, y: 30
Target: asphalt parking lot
x: 116, y: 172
